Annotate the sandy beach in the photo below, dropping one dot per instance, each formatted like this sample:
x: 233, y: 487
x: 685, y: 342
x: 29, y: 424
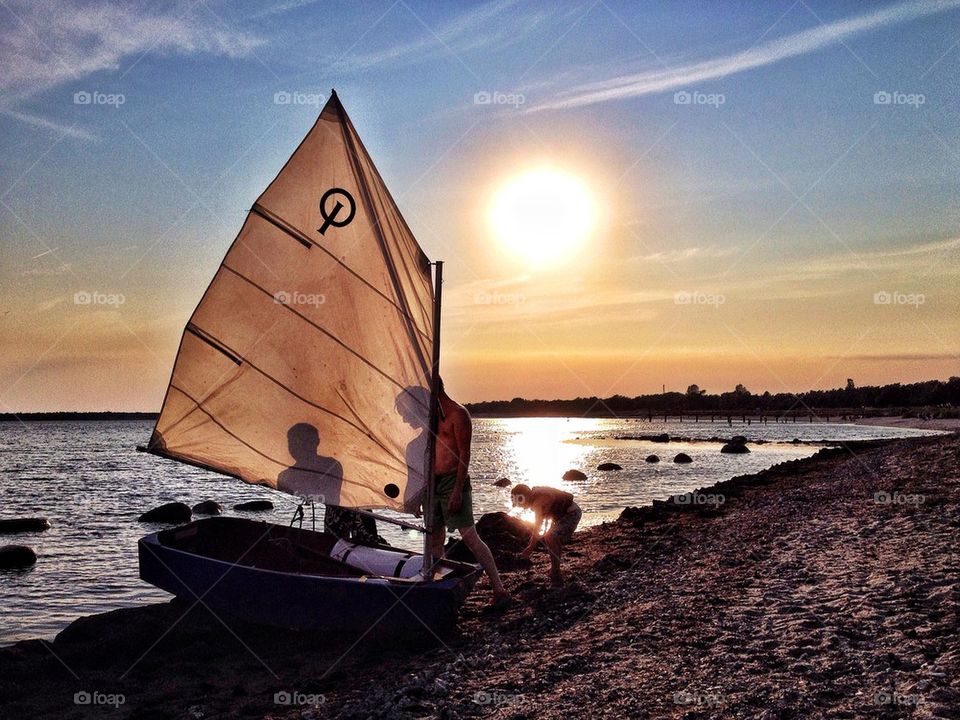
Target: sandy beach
x: 824, y: 587
x: 952, y: 424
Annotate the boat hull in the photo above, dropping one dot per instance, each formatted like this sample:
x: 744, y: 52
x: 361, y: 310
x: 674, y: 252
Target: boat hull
x: 186, y: 562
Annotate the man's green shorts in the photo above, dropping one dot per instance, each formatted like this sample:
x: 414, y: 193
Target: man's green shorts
x: 442, y: 490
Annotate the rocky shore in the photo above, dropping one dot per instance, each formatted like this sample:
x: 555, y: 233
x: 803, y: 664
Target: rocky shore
x: 824, y: 587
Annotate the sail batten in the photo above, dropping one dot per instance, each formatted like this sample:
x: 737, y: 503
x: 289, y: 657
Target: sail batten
x: 307, y: 371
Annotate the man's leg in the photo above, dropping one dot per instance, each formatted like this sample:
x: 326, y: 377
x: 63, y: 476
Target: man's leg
x: 480, y: 551
x: 554, y: 548
x: 437, y: 541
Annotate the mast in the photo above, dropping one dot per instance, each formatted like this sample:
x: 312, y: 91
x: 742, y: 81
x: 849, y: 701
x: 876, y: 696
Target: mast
x: 434, y: 421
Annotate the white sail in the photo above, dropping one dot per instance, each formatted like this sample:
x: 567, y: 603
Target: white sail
x: 306, y: 365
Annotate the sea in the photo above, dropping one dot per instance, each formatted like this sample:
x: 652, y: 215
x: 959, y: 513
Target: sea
x: 87, y: 478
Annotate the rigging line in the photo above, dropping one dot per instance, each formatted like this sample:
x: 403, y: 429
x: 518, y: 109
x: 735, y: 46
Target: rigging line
x: 326, y: 332
x: 300, y: 237
x: 388, y: 262
x: 262, y: 454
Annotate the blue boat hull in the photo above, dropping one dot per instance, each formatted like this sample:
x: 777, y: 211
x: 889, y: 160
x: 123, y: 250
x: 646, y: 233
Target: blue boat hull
x: 278, y: 576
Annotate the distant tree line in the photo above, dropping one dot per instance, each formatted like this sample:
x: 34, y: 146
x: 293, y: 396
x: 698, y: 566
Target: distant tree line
x: 935, y: 397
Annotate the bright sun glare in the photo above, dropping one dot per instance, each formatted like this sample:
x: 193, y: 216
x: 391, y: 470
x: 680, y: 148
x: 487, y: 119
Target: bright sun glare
x: 543, y: 215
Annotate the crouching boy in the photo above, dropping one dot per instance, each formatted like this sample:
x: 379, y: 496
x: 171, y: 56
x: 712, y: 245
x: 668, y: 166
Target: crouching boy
x: 559, y: 508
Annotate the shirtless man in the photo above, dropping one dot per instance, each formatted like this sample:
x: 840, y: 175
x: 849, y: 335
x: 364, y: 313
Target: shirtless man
x: 563, y: 513
x: 452, y: 499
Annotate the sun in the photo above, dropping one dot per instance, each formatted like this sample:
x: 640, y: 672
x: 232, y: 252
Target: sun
x: 543, y: 215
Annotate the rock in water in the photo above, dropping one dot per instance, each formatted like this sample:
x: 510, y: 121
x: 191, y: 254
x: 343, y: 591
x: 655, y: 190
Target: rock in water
x: 573, y: 475
x: 17, y: 556
x: 254, y: 505
x: 208, y: 507
x: 652, y: 458
x: 174, y: 512
x: 732, y: 448
x: 18, y: 525
x: 607, y: 466
x: 502, y: 482
x: 738, y: 440
x: 683, y: 458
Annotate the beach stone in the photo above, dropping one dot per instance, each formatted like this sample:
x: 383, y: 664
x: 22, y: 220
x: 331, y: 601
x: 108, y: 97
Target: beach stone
x: 208, y: 507
x: 732, y: 448
x: 502, y: 482
x: 254, y: 505
x: 608, y: 466
x: 18, y: 525
x: 738, y: 440
x: 173, y: 512
x: 573, y: 475
x: 653, y: 458
x: 664, y: 438
x: 13, y: 557
x: 682, y: 458
x: 505, y: 535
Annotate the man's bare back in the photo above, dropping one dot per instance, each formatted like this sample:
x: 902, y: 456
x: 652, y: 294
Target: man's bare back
x: 453, y: 438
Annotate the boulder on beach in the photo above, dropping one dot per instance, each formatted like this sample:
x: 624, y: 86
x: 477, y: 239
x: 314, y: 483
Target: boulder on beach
x: 682, y: 458
x: 653, y: 458
x: 254, y: 505
x: 172, y: 512
x: 19, y: 525
x: 505, y: 535
x: 663, y: 438
x: 13, y: 557
x: 502, y: 482
x: 574, y: 475
x: 608, y: 466
x: 208, y: 507
x: 738, y: 440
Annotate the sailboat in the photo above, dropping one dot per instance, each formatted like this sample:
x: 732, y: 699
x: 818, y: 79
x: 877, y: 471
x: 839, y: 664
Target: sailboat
x: 310, y: 366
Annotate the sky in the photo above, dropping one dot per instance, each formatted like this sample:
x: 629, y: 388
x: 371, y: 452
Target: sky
x: 775, y: 185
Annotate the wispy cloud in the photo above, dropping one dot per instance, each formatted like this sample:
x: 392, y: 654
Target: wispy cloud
x: 767, y: 53
x: 469, y: 31
x: 46, y: 45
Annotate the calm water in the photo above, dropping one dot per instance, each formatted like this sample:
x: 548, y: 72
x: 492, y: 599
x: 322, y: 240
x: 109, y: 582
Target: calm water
x: 89, y: 481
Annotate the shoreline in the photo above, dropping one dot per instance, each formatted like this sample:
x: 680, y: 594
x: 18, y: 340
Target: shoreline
x: 799, y: 595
